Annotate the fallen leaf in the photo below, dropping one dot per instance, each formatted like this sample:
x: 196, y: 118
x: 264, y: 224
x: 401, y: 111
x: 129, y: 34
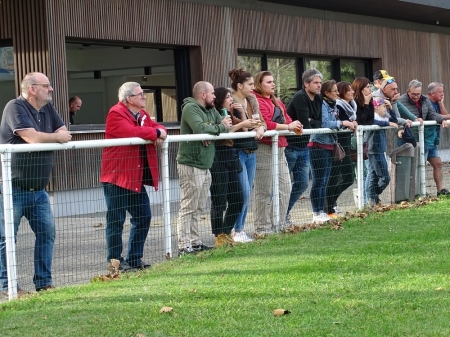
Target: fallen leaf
x: 140, y: 335
x: 166, y: 309
x: 98, y: 224
x: 168, y: 256
x: 193, y: 290
x: 280, y: 312
x: 439, y: 288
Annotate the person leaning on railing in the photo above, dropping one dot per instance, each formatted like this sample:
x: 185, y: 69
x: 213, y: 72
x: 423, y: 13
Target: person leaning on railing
x: 276, y: 117
x: 194, y: 159
x: 31, y: 118
x: 321, y: 150
x: 341, y: 176
x: 245, y: 106
x: 226, y: 189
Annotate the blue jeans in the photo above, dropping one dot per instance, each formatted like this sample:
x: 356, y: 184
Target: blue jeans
x: 118, y: 201
x: 299, y: 164
x: 35, y: 206
x: 321, y: 163
x: 378, y: 176
x: 246, y: 178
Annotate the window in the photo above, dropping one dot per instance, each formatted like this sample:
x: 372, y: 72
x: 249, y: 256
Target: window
x: 284, y: 74
x: 351, y: 69
x: 324, y: 66
x: 96, y: 71
x: 7, y: 81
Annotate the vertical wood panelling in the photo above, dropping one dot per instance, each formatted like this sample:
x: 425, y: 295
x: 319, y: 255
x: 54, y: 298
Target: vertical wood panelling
x: 215, y: 34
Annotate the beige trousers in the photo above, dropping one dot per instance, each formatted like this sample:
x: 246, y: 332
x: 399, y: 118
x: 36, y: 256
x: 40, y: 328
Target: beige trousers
x: 264, y: 189
x: 194, y: 185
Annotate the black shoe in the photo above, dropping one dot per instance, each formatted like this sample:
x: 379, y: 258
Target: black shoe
x: 185, y: 251
x: 124, y: 267
x: 140, y: 266
x: 443, y: 192
x: 45, y: 288
x: 201, y: 247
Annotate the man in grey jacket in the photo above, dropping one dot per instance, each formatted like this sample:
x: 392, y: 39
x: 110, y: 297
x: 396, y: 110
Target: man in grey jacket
x: 421, y: 107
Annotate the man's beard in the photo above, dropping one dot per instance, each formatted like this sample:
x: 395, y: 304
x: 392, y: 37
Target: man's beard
x: 209, y: 105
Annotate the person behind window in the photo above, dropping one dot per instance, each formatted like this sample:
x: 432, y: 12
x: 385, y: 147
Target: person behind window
x: 245, y: 106
x: 276, y: 117
x: 341, y: 176
x: 74, y: 106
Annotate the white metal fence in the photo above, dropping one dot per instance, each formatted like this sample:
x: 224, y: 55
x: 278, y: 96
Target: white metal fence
x: 80, y: 253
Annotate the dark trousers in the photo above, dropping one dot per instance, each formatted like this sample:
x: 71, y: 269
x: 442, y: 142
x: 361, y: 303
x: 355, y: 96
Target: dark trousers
x: 341, y: 176
x: 226, y: 190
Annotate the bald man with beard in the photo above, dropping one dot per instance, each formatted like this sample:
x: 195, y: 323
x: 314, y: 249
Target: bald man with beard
x: 194, y: 160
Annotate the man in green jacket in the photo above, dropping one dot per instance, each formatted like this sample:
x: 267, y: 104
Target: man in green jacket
x: 194, y: 160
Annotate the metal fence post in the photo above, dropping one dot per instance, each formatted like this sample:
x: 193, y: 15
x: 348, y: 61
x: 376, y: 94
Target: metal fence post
x: 11, y: 264
x: 360, y: 165
x: 166, y: 199
x: 422, y: 160
x: 275, y: 180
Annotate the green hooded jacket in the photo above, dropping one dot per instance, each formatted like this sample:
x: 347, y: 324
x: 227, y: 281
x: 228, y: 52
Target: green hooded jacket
x: 196, y: 119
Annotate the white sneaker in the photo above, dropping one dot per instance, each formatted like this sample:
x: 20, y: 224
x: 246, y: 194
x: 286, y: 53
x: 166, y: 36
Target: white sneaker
x: 241, y: 237
x: 321, y: 218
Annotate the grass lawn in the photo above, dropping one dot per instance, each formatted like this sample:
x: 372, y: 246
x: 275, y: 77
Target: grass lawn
x: 383, y: 275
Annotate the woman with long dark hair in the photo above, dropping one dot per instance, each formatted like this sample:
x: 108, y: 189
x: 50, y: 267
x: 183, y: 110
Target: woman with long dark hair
x: 341, y: 176
x: 321, y: 150
x: 245, y: 106
x: 226, y: 190
x: 276, y: 117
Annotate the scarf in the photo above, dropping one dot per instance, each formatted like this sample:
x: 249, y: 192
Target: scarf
x: 330, y: 102
x: 349, y: 108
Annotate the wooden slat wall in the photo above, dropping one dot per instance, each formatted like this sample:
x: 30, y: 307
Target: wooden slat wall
x: 215, y: 33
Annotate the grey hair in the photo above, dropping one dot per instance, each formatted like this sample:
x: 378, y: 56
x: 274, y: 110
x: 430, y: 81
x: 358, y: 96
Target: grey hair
x: 432, y: 87
x: 415, y: 84
x: 27, y: 82
x: 309, y: 75
x: 126, y: 90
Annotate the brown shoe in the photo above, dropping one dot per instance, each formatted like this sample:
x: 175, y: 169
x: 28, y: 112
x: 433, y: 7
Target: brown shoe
x: 45, y: 288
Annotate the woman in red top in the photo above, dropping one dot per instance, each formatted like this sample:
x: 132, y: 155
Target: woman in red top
x: 274, y: 113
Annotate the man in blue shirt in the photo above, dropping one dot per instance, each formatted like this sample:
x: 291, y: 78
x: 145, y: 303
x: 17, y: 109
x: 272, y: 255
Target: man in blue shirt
x: 31, y: 118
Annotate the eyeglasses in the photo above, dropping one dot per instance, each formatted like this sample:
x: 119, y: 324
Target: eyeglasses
x: 142, y: 94
x: 45, y: 85
x: 390, y: 81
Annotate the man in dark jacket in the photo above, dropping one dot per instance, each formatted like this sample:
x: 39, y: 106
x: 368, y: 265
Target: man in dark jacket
x: 306, y: 107
x: 421, y: 107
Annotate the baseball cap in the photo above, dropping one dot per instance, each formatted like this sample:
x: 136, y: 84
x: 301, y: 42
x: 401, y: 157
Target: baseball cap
x: 381, y: 75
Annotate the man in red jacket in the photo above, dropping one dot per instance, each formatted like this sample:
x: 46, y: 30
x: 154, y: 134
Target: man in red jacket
x: 124, y: 172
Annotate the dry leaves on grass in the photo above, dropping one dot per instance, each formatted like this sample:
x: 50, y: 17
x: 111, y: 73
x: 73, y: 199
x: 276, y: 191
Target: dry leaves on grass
x: 165, y: 309
x: 113, y: 272
x: 280, y: 312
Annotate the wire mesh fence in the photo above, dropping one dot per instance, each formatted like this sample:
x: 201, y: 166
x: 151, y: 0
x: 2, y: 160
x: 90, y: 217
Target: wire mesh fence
x: 80, y: 251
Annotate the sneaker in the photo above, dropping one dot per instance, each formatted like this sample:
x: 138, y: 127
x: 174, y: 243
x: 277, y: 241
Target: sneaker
x: 241, y: 237
x: 321, y: 218
x: 201, y: 247
x: 50, y: 287
x: 141, y: 266
x: 185, y: 251
x: 337, y: 211
x: 333, y: 215
x: 444, y: 191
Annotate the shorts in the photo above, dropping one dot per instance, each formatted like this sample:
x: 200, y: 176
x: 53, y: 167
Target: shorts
x: 431, y: 152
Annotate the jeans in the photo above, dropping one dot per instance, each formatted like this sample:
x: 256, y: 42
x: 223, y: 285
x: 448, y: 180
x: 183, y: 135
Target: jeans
x: 226, y: 190
x: 35, y: 206
x: 321, y: 162
x: 299, y: 164
x: 378, y: 177
x: 119, y: 200
x: 246, y: 178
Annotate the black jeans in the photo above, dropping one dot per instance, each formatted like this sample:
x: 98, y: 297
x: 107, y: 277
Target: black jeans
x: 225, y: 189
x: 341, y: 176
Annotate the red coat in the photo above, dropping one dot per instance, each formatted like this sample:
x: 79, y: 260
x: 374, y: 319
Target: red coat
x: 123, y: 165
x: 267, y: 108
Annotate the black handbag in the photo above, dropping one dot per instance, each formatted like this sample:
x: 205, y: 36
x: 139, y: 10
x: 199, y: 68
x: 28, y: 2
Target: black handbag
x: 278, y: 115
